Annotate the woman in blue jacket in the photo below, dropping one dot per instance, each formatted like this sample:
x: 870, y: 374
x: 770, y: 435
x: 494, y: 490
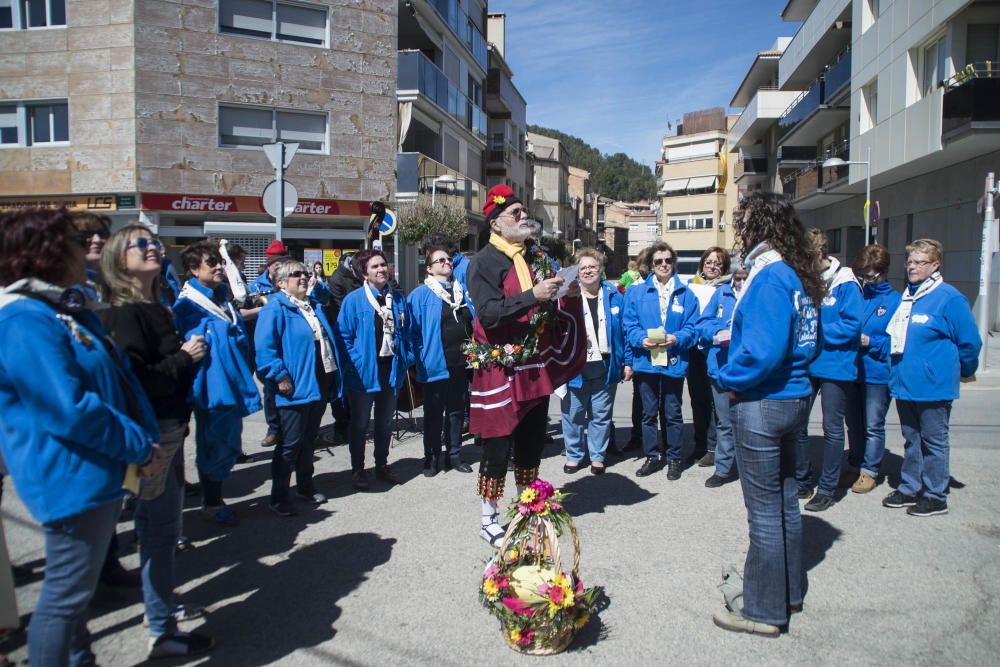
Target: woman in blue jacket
x: 774, y: 338
x: 934, y: 344
x: 295, y: 349
x: 74, y: 417
x: 667, y: 306
x: 372, y: 333
x: 834, y: 372
x: 880, y: 303
x: 590, y: 397
x: 441, y: 324
x: 224, y: 391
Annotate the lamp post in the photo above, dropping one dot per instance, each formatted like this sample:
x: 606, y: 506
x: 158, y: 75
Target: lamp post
x: 446, y: 179
x: 838, y: 162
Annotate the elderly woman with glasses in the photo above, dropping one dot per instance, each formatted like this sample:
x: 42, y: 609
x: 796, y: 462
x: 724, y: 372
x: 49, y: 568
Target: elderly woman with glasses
x: 934, y: 342
x: 224, y: 391
x: 660, y: 317
x: 96, y: 229
x: 295, y: 350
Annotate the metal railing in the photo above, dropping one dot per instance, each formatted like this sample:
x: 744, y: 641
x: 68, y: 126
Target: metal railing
x: 451, y: 13
x: 986, y: 69
x: 416, y: 71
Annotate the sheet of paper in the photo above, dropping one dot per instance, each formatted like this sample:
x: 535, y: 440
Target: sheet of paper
x: 658, y: 356
x: 568, y: 274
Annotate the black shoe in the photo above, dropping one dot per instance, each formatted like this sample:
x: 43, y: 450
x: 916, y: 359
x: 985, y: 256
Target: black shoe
x: 311, y: 497
x: 928, y: 507
x: 456, y: 463
x: 184, y: 544
x: 430, y: 466
x: 805, y: 493
x: 180, y: 644
x: 572, y: 468
x: 192, y: 490
x: 359, y: 479
x: 283, y: 508
x: 715, y: 481
x: 597, y: 469
x: 386, y: 474
x: 270, y: 440
x: 820, y: 503
x: 707, y: 461
x: 244, y: 458
x: 649, y: 466
x: 674, y: 470
x: 897, y: 499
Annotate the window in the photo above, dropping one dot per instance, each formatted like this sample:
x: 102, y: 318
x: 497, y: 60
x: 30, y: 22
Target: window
x: 934, y: 63
x: 833, y: 241
x: 690, y: 221
x: 869, y: 106
x: 252, y: 127
x: 26, y: 14
x: 277, y: 21
x: 982, y: 43
x: 633, y: 228
x: 34, y: 123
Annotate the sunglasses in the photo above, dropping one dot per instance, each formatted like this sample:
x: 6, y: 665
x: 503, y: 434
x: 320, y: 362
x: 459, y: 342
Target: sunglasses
x: 516, y: 212
x: 103, y: 234
x: 212, y: 262
x: 144, y: 244
x: 867, y: 278
x: 441, y: 260
x: 298, y: 274
x: 661, y: 261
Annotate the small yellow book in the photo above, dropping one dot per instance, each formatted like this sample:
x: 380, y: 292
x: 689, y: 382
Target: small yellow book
x: 131, y: 481
x: 658, y: 356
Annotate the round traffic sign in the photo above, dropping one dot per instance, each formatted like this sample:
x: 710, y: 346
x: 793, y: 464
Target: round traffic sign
x: 270, y: 198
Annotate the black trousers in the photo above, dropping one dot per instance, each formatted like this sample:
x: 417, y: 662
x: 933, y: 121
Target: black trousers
x: 700, y: 393
x: 528, y: 440
x: 444, y: 404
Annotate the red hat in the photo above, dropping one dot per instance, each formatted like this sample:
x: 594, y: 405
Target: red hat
x: 275, y: 249
x: 497, y: 199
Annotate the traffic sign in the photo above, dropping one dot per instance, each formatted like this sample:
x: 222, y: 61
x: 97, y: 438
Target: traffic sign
x: 389, y: 222
x: 276, y: 155
x: 270, y: 198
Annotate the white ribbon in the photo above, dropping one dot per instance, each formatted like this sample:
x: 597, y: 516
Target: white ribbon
x: 455, y: 299
x: 388, y: 321
x: 757, y: 259
x: 206, y: 304
x: 900, y: 322
x: 319, y: 334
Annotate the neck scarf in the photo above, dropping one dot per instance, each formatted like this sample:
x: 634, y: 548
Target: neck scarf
x: 207, y: 304
x: 757, y: 259
x: 665, y: 291
x: 836, y: 276
x: 385, y: 312
x: 597, y: 341
x: 714, y: 282
x: 319, y: 334
x: 900, y: 322
x: 514, y: 252
x: 455, y: 299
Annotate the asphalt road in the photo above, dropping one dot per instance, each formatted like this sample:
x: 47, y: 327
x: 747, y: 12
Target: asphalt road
x: 390, y: 576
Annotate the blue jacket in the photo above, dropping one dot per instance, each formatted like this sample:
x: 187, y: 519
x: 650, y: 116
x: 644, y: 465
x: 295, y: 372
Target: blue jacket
x: 840, y: 330
x: 66, y: 433
x: 880, y: 302
x: 224, y: 378
x: 321, y: 292
x: 717, y: 316
x: 775, y: 332
x: 459, y: 270
x: 285, y: 347
x: 424, y: 308
x: 358, y: 347
x: 642, y: 312
x: 261, y: 284
x: 942, y: 345
x: 621, y: 354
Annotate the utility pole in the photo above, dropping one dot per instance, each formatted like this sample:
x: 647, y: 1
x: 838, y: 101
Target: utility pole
x: 986, y: 266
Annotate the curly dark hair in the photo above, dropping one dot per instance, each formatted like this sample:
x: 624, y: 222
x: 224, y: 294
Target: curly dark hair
x: 36, y: 243
x: 360, y: 261
x: 769, y: 217
x: 193, y: 255
x: 438, y: 242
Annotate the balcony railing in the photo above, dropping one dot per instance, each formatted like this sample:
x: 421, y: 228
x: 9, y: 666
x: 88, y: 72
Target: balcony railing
x: 451, y: 13
x: 971, y: 99
x: 416, y: 71
x: 815, y: 178
x: 415, y: 172
x: 754, y: 164
x: 788, y: 154
x: 837, y: 76
x: 804, y: 105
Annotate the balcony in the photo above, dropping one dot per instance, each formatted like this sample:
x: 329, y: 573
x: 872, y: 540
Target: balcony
x: 809, y: 118
x: 811, y: 186
x: 766, y: 106
x: 821, y: 37
x: 837, y: 78
x: 795, y: 156
x: 452, y: 15
x: 501, y: 95
x: 803, y: 106
x: 501, y: 152
x: 750, y: 167
x: 417, y: 72
x: 415, y: 174
x: 971, y: 101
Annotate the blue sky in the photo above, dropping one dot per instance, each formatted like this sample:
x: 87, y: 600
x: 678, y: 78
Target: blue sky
x: 614, y: 72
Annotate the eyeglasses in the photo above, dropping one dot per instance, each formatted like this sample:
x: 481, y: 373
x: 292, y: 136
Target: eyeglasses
x: 143, y: 244
x: 918, y: 262
x: 298, y: 274
x: 712, y: 262
x: 440, y: 260
x: 103, y: 234
x: 661, y: 261
x: 516, y: 212
x: 212, y: 262
x: 867, y: 278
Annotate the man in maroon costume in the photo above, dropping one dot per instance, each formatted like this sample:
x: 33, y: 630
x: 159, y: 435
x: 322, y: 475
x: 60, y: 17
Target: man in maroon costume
x: 523, y: 347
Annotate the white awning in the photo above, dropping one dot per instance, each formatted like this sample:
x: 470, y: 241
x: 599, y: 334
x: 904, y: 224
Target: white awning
x: 702, y: 182
x: 674, y: 185
x: 698, y: 151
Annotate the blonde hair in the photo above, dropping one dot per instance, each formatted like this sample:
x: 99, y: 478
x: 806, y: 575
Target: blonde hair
x: 591, y: 253
x: 117, y: 286
x: 930, y: 247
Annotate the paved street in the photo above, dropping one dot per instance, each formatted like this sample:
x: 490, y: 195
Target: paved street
x: 390, y: 576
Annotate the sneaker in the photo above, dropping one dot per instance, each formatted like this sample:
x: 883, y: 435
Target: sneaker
x: 674, y: 470
x: 244, y: 458
x: 220, y: 515
x: 649, y: 466
x: 282, y: 508
x: 270, y: 440
x: 707, y: 461
x: 737, y: 622
x: 179, y: 643
x: 847, y: 479
x: 897, y: 499
x: 928, y: 507
x: 359, y: 479
x: 864, y: 484
x: 715, y: 481
x: 314, y: 497
x: 820, y: 503
x: 183, y: 613
x: 386, y: 474
x: 184, y: 543
x: 456, y: 463
x: 805, y: 493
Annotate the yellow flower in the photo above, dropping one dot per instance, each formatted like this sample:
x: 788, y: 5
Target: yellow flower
x: 512, y: 554
x: 499, y: 199
x: 582, y: 621
x: 515, y: 635
x: 491, y: 589
x: 528, y: 496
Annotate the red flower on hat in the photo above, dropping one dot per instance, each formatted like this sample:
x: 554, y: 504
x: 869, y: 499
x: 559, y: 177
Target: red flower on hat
x: 499, y: 196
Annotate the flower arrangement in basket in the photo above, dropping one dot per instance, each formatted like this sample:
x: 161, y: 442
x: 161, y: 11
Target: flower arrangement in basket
x: 540, y: 605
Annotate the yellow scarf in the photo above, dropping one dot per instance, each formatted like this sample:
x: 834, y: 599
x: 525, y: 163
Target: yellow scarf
x: 515, y: 252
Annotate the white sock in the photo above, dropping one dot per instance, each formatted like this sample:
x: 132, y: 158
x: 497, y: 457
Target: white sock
x: 488, y: 511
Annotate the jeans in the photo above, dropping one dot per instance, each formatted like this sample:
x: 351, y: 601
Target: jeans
x: 299, y: 426
x: 270, y: 406
x: 361, y: 413
x: 725, y: 444
x: 872, y: 404
x: 444, y: 404
x: 836, y: 399
x: 700, y: 394
x: 925, y: 459
x: 766, y: 432
x: 595, y: 400
x: 157, y: 527
x: 661, y: 392
x: 74, y: 551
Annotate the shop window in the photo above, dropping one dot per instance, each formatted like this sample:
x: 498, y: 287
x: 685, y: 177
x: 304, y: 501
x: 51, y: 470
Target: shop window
x: 252, y: 127
x: 294, y: 22
x: 34, y: 123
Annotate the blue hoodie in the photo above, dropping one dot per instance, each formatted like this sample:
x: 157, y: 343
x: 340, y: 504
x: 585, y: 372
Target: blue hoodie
x: 358, y: 347
x: 642, y: 312
x: 66, y: 433
x: 285, y: 347
x: 840, y: 330
x: 880, y: 302
x: 459, y: 270
x: 774, y: 337
x: 425, y: 333
x: 224, y: 378
x: 942, y: 345
x: 621, y: 354
x: 717, y: 316
x: 262, y: 284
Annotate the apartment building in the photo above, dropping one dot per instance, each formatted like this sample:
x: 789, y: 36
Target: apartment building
x: 158, y: 110
x: 551, y: 204
x: 507, y: 117
x: 695, y: 187
x: 906, y: 92
x: 584, y: 203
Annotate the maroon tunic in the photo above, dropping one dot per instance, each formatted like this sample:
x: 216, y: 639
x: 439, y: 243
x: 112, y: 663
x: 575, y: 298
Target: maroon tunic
x: 501, y: 396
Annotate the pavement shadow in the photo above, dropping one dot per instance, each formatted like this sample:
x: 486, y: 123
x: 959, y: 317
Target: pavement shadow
x: 596, y: 629
x: 818, y: 537
x: 594, y: 493
x: 892, y: 463
x: 338, y: 484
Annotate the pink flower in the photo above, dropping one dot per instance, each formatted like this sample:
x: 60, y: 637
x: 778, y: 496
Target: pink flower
x: 522, y: 508
x: 526, y: 638
x: 538, y: 505
x: 491, y: 571
x: 517, y: 606
x: 508, y: 348
x: 503, y: 582
x: 543, y: 488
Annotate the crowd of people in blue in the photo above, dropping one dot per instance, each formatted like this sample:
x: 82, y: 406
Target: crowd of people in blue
x: 106, y: 353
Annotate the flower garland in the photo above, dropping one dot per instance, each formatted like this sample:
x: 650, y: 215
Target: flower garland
x: 486, y: 355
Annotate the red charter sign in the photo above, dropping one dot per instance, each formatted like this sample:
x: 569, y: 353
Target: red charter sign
x: 184, y: 203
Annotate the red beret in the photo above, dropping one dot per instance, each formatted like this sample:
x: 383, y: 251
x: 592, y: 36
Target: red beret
x: 497, y: 199
x: 276, y: 248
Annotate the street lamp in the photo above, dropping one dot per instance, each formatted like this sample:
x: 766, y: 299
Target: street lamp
x: 838, y: 162
x: 446, y: 179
